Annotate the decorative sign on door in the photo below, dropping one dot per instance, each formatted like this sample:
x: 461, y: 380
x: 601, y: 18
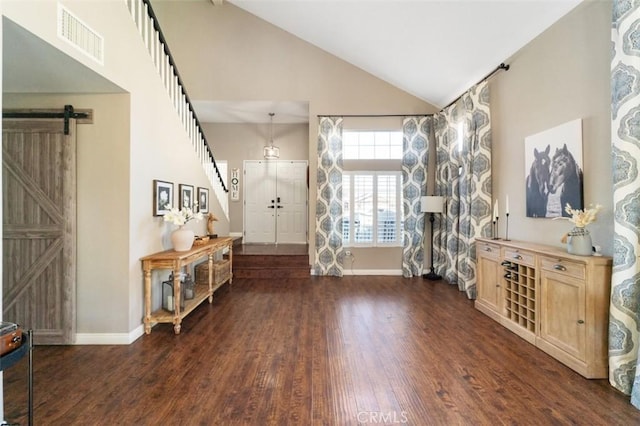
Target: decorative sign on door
x: 235, y: 184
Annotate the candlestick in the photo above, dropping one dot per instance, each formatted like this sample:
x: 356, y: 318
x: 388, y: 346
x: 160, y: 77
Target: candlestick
x: 495, y: 209
x: 495, y: 234
x: 506, y: 236
x: 506, y: 210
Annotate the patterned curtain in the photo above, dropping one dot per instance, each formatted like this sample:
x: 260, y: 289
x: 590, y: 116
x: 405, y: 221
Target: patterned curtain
x: 328, y: 250
x: 624, y: 317
x: 415, y: 143
x: 463, y: 177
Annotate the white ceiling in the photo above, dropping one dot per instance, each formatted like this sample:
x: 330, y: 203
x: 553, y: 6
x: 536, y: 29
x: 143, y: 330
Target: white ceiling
x: 433, y: 49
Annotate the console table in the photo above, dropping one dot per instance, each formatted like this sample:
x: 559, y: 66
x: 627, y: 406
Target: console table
x: 175, y: 261
x: 556, y: 301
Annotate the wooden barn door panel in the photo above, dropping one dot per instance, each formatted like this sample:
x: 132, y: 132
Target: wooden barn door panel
x: 39, y: 227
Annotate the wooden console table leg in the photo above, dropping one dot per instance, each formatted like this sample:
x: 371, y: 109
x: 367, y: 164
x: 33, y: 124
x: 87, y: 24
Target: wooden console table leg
x: 177, y: 299
x: 210, y: 260
x: 147, y: 301
x: 230, y: 263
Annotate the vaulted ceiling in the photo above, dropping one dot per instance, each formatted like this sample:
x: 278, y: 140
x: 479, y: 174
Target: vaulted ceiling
x: 433, y: 49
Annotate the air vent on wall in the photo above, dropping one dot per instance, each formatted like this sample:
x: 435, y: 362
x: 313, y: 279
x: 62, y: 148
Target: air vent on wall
x: 80, y: 35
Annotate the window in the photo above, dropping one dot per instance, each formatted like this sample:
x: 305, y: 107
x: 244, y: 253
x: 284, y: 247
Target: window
x: 371, y: 145
x: 371, y: 209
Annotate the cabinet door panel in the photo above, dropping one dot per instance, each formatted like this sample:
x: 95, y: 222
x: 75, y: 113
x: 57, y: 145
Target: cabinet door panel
x: 489, y: 275
x: 562, y: 317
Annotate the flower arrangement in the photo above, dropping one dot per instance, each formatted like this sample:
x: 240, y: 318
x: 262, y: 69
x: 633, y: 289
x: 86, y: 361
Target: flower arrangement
x: 582, y: 218
x: 182, y: 216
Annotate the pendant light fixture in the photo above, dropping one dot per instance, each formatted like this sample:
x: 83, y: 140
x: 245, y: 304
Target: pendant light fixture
x: 271, y: 152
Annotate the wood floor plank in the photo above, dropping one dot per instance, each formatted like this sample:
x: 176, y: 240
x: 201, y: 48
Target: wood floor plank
x: 317, y: 351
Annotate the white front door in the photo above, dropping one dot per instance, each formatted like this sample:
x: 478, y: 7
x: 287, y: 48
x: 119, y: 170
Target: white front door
x: 275, y: 202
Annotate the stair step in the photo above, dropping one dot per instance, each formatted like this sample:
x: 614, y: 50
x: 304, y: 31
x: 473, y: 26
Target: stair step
x: 270, y: 266
x: 278, y: 273
x: 270, y: 261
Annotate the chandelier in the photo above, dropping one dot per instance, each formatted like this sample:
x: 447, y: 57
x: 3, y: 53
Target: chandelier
x: 271, y: 152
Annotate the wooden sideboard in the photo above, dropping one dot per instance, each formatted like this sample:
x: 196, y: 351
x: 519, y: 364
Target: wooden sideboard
x: 554, y: 300
x: 176, y: 261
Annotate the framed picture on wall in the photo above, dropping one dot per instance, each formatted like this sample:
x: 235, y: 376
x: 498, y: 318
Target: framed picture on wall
x: 186, y: 196
x: 203, y: 200
x: 162, y: 197
x: 553, y: 170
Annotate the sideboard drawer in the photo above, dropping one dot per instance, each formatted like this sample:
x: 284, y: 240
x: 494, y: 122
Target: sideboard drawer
x: 488, y: 250
x: 521, y: 257
x: 564, y: 267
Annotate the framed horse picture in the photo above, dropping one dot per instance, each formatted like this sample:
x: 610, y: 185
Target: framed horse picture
x: 553, y: 170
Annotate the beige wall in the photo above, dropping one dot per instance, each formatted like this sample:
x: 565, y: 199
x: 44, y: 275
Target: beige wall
x: 225, y: 53
x: 560, y: 76
x: 154, y: 145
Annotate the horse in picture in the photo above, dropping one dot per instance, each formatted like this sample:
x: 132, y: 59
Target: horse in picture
x: 566, y: 177
x: 537, y: 183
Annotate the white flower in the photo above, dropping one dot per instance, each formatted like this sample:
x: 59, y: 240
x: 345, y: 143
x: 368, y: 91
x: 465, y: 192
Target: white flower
x: 180, y: 217
x: 582, y: 218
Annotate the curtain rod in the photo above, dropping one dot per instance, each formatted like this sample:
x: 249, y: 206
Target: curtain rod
x: 502, y: 66
x: 375, y: 115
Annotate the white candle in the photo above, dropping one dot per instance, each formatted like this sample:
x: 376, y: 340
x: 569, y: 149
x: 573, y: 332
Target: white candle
x: 506, y: 210
x: 495, y: 209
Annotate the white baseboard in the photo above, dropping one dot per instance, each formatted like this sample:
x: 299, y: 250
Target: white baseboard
x: 346, y: 271
x: 235, y: 234
x: 109, y: 338
x: 393, y: 272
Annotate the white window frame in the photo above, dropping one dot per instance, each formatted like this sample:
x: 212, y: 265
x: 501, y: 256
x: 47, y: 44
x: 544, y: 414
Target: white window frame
x: 378, y: 154
x: 398, y: 219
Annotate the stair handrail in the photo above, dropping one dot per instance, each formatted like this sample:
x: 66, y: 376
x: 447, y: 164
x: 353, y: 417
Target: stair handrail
x: 147, y: 23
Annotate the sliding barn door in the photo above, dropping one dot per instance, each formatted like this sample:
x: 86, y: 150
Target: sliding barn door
x: 275, y: 202
x: 39, y: 227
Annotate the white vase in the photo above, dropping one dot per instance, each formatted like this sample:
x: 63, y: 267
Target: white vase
x: 182, y: 239
x: 579, y: 242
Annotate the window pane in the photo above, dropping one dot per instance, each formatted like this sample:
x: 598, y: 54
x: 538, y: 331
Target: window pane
x: 382, y: 138
x: 363, y: 208
x: 395, y: 139
x: 346, y: 208
x: 367, y: 152
x: 395, y: 152
x: 350, y: 152
x: 387, y: 208
x: 383, y: 152
x: 371, y: 202
x: 369, y: 145
x: 350, y: 139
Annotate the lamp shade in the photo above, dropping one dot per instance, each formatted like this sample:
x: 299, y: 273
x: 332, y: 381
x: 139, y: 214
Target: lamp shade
x: 271, y: 152
x: 431, y: 204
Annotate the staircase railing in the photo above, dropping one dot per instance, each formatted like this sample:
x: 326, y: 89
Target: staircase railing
x: 149, y: 28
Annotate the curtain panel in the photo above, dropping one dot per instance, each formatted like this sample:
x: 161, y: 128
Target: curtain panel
x: 416, y: 131
x: 328, y: 248
x: 624, y: 316
x: 463, y: 177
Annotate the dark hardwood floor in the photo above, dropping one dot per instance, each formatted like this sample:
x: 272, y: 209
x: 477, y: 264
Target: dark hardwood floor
x: 317, y: 351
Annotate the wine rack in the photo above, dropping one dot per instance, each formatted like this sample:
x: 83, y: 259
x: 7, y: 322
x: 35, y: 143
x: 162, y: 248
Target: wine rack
x: 520, y: 294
